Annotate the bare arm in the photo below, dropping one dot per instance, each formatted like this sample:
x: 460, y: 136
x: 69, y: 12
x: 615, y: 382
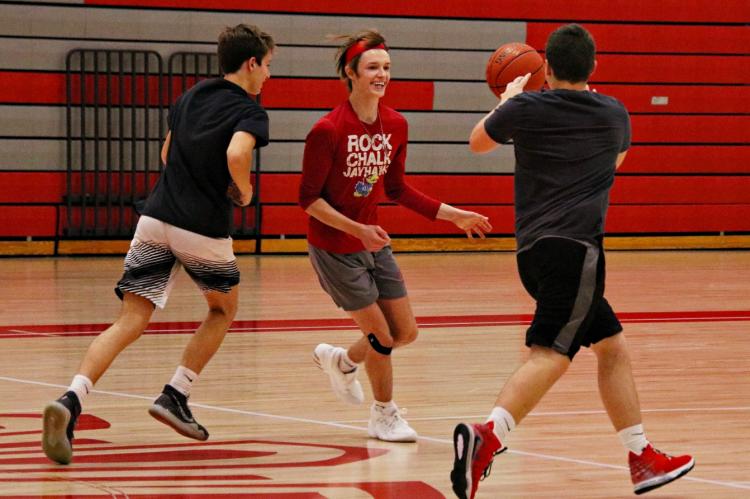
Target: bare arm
x: 165, y: 147
x: 620, y: 159
x: 240, y: 162
x: 468, y: 221
x: 479, y: 141
x: 373, y: 237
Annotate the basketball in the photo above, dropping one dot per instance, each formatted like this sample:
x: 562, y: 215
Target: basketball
x: 510, y: 61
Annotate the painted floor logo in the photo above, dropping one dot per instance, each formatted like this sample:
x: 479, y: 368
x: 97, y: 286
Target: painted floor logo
x: 241, y: 468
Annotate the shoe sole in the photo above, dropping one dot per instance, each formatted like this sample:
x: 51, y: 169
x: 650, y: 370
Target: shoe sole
x: 55, y: 441
x: 680, y: 472
x: 166, y: 417
x: 406, y: 440
x: 463, y: 444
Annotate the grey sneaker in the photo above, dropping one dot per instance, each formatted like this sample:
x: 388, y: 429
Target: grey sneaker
x: 171, y: 408
x: 344, y: 385
x: 58, y: 423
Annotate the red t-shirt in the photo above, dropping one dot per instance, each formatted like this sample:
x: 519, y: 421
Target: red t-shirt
x: 352, y: 166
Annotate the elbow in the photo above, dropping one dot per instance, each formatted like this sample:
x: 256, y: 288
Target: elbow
x: 234, y: 160
x: 305, y: 200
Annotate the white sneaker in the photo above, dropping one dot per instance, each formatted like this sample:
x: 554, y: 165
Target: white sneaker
x: 345, y: 386
x: 387, y: 424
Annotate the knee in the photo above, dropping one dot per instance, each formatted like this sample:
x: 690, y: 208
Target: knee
x: 381, y: 342
x: 612, y: 350
x: 549, y: 360
x: 130, y: 326
x: 223, y: 311
x: 406, y: 336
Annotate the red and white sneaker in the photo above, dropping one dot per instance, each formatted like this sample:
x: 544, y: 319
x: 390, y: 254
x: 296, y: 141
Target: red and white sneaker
x: 653, y: 469
x: 474, y: 448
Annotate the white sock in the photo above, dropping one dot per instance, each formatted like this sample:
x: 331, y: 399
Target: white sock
x: 182, y: 381
x: 503, y: 422
x: 633, y: 438
x: 385, y: 406
x: 81, y: 385
x: 346, y: 365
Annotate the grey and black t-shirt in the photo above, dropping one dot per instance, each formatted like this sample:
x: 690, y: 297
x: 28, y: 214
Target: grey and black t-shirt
x: 566, y: 144
x: 192, y: 190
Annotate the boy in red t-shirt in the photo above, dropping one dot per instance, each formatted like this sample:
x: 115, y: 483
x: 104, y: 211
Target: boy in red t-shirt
x: 354, y: 157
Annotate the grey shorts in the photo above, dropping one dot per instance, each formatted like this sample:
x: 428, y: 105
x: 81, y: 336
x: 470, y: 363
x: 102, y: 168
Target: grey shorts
x: 356, y: 280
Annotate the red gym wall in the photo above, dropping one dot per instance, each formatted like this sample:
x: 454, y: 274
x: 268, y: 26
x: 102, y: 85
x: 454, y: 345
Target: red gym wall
x: 688, y: 171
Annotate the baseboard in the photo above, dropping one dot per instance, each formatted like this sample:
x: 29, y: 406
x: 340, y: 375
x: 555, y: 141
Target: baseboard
x: 403, y: 245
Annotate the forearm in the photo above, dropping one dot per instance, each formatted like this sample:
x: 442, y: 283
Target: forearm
x: 323, y: 211
x: 239, y: 170
x: 479, y: 140
x: 447, y: 212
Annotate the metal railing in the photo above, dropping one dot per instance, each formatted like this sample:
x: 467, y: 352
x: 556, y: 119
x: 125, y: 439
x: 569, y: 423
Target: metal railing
x: 115, y: 127
x: 117, y: 104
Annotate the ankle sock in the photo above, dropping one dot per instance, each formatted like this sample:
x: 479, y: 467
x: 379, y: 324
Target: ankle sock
x: 385, y: 406
x: 183, y: 379
x: 503, y: 423
x: 81, y: 386
x: 347, y: 365
x: 633, y: 439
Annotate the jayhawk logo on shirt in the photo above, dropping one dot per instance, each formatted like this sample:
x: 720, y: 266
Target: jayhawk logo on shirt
x: 368, y: 158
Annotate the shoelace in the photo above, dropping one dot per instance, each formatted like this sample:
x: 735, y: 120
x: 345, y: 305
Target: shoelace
x: 662, y: 453
x: 393, y: 419
x: 488, y: 469
x: 183, y: 407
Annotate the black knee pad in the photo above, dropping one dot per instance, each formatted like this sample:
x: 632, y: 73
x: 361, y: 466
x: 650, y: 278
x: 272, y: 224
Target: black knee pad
x: 375, y: 344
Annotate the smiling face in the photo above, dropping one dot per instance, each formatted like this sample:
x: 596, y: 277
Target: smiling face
x: 373, y: 73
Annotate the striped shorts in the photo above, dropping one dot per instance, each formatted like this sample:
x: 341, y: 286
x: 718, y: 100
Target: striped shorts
x: 159, y: 249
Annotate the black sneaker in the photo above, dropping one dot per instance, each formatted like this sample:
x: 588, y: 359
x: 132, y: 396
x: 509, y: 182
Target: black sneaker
x: 59, y: 421
x: 171, y: 408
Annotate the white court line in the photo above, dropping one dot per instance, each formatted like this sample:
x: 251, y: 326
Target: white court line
x: 32, y: 333
x: 733, y: 485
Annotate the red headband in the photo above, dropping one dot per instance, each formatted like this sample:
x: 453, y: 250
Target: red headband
x: 359, y: 47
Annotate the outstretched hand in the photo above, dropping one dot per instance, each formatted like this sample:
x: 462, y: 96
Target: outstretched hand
x: 472, y: 223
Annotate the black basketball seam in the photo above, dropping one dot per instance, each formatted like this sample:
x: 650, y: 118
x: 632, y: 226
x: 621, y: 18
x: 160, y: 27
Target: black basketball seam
x: 511, y: 62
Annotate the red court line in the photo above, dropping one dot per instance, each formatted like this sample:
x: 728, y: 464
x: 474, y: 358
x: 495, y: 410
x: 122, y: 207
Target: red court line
x: 287, y: 325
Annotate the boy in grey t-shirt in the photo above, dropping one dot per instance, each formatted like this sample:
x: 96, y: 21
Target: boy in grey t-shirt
x: 568, y: 142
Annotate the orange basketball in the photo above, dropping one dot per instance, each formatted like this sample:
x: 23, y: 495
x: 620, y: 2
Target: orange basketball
x: 510, y: 61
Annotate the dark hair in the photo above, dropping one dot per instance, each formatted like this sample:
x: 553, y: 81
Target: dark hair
x: 570, y: 53
x: 370, y: 37
x: 240, y: 43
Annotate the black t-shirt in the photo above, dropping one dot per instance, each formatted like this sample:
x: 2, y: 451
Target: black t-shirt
x: 192, y: 190
x: 566, y: 144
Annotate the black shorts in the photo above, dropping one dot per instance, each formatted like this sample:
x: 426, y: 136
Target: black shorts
x: 566, y: 278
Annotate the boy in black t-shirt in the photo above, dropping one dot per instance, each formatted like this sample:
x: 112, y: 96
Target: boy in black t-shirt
x: 568, y: 141
x: 213, y: 129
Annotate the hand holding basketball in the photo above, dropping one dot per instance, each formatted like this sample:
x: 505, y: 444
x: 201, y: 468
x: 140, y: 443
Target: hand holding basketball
x: 509, y: 62
x: 515, y: 87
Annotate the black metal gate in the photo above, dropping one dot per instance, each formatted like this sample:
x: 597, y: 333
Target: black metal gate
x: 117, y: 103
x: 115, y: 128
